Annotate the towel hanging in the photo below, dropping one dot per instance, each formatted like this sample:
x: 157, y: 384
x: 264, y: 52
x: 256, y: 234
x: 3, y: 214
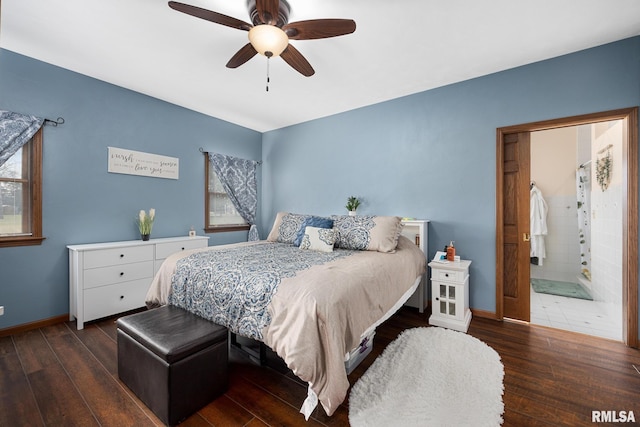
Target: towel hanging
x: 538, y: 224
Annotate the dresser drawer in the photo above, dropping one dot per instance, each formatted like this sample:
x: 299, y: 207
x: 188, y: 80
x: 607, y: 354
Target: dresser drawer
x: 163, y: 250
x: 117, y: 274
x: 113, y: 277
x: 106, y: 300
x: 116, y: 256
x: 447, y: 275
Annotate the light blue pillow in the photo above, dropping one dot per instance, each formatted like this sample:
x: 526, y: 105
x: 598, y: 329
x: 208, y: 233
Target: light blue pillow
x: 314, y: 221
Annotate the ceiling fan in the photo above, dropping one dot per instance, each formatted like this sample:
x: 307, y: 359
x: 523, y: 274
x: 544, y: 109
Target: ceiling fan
x: 271, y: 31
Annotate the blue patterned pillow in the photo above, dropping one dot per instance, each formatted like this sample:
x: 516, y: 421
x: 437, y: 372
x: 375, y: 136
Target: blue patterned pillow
x: 314, y: 221
x: 367, y: 232
x: 318, y: 239
x: 286, y: 226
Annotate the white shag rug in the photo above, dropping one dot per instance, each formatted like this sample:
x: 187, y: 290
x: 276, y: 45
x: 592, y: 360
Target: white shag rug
x: 430, y: 377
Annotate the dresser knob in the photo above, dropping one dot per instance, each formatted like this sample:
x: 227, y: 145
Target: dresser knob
x: 121, y: 296
x: 121, y: 255
x: 121, y: 273
x: 437, y: 299
x: 183, y: 249
x: 446, y: 274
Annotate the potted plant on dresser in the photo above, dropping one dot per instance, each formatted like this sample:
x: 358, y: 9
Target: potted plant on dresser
x: 145, y: 223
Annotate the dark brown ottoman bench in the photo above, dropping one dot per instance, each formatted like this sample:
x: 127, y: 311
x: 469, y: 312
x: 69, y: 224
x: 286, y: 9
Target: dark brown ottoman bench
x: 173, y: 360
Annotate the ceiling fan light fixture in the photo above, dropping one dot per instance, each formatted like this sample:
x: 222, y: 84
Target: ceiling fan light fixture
x: 268, y: 40
x: 271, y: 30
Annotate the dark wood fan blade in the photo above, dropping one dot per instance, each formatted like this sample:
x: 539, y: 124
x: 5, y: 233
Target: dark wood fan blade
x: 293, y: 57
x: 319, y: 28
x: 268, y: 11
x: 209, y: 15
x: 243, y: 55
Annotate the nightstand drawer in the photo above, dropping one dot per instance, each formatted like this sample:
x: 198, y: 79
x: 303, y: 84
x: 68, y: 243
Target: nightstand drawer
x: 163, y: 250
x: 116, y: 256
x: 118, y: 274
x: 105, y: 300
x: 447, y: 275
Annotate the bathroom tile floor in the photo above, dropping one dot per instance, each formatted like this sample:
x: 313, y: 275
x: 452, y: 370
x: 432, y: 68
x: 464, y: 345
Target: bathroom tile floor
x: 577, y: 315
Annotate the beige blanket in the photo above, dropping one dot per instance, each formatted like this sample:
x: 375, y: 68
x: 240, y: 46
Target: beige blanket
x: 318, y: 315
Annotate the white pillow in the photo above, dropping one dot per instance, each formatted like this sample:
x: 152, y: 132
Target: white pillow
x: 318, y: 239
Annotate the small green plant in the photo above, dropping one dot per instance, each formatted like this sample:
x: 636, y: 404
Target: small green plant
x: 352, y: 203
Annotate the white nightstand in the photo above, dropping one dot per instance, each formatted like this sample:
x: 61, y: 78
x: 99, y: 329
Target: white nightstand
x: 450, y: 295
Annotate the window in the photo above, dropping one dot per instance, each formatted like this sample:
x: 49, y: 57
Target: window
x: 220, y: 214
x: 21, y: 196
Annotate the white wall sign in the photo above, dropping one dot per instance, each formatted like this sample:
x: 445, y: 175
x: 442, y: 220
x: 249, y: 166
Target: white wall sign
x: 145, y: 164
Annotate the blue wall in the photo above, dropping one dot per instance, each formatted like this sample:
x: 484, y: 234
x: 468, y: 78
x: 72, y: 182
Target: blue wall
x: 84, y: 203
x: 432, y: 155
x: 429, y: 155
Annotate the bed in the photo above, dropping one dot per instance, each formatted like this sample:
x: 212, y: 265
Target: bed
x: 310, y: 292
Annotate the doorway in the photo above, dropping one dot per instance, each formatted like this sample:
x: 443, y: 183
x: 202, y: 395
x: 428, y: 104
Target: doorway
x: 576, y: 203
x: 512, y: 216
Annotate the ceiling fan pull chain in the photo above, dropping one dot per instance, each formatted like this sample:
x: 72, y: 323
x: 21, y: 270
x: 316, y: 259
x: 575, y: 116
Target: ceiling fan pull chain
x: 268, y: 57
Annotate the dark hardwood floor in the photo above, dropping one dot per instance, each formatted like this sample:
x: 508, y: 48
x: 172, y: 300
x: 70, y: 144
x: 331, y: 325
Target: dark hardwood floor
x: 59, y: 376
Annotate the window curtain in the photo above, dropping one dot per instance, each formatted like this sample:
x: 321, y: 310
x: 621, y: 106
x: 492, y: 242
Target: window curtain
x: 238, y: 177
x: 15, y: 131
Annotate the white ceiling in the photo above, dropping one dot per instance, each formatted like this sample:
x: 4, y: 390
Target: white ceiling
x: 398, y: 48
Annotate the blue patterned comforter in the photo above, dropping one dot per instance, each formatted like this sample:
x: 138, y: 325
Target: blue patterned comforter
x: 234, y: 286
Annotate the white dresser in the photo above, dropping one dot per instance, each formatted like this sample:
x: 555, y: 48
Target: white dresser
x: 110, y: 278
x: 450, y: 294
x: 417, y: 230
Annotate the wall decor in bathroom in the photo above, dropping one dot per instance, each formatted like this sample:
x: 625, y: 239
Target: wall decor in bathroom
x: 603, y: 170
x: 603, y: 167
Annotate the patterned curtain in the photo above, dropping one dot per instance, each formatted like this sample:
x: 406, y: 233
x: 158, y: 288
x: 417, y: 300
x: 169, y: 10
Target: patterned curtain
x: 238, y: 177
x: 15, y: 131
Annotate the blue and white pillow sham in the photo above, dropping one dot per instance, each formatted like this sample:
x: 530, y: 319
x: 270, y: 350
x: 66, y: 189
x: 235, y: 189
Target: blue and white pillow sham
x: 286, y: 227
x: 361, y: 232
x: 367, y: 232
x: 318, y: 239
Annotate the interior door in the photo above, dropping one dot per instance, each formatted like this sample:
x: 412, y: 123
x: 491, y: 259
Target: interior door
x: 508, y: 293
x: 515, y: 225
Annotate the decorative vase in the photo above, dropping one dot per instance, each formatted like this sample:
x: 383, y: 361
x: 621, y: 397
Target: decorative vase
x: 145, y: 237
x: 352, y: 213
